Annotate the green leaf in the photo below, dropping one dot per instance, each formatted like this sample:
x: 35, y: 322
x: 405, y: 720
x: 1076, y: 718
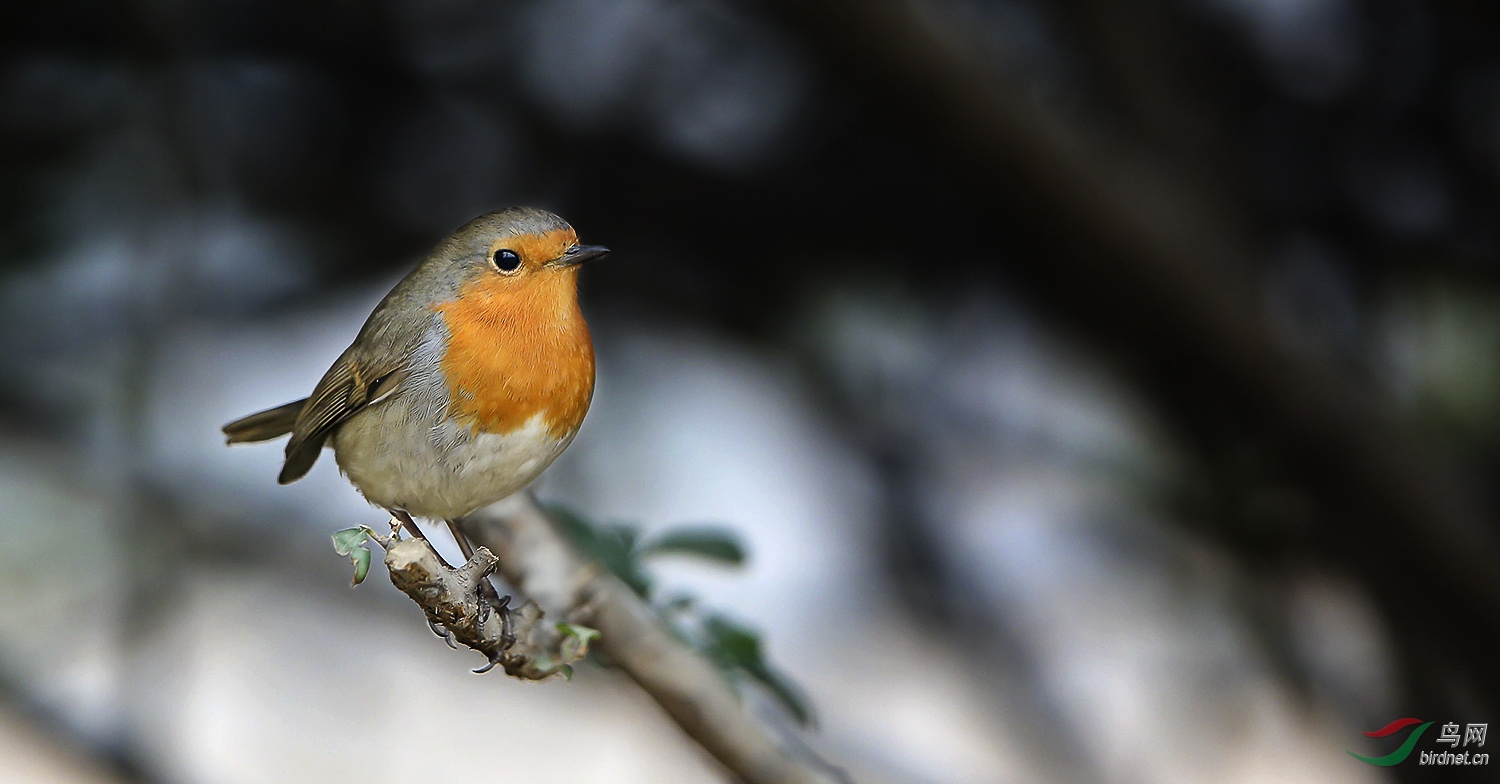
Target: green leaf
x: 734, y: 649
x: 345, y: 541
x: 583, y: 633
x: 789, y: 694
x: 350, y: 543
x: 707, y: 542
x: 611, y: 544
x: 576, y: 639
x: 731, y: 644
x: 361, y: 565
x: 738, y: 649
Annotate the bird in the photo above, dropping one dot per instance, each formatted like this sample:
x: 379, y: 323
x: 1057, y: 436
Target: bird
x: 466, y: 382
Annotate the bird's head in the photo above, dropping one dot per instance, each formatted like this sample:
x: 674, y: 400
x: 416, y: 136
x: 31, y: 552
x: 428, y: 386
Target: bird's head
x: 516, y: 250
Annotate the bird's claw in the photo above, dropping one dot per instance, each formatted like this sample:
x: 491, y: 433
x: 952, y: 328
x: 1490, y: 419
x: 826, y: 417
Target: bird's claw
x: 507, y: 625
x: 441, y: 631
x: 507, y: 621
x: 485, y: 606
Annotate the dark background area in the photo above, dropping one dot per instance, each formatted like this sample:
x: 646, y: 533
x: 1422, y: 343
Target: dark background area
x: 1143, y: 354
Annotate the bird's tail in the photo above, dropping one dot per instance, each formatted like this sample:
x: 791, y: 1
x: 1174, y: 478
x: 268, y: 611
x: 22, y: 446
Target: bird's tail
x: 265, y: 425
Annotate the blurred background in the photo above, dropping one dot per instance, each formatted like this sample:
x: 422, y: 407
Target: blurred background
x: 1106, y: 390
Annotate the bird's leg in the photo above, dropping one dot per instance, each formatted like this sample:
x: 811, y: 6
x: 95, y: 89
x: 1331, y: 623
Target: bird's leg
x: 401, y: 518
x: 404, y: 518
x: 487, y: 592
x: 486, y: 589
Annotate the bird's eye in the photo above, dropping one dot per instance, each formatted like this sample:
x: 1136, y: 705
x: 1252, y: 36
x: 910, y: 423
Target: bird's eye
x: 507, y: 260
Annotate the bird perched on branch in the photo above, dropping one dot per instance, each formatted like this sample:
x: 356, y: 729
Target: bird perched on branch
x: 466, y: 382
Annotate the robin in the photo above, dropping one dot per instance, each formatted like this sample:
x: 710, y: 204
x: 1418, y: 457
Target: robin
x: 464, y: 384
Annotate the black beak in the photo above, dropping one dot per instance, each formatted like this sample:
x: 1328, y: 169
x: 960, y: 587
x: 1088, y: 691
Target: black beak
x: 579, y: 254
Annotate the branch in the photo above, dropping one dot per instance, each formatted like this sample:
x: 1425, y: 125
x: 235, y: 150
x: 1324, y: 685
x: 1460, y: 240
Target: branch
x: 518, y: 641
x: 540, y: 563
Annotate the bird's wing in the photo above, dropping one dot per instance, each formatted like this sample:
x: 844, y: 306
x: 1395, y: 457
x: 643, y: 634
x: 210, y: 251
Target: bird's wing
x: 370, y: 369
x: 265, y: 425
x: 348, y: 387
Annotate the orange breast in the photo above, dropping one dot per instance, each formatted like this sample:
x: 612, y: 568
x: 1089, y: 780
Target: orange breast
x: 516, y: 351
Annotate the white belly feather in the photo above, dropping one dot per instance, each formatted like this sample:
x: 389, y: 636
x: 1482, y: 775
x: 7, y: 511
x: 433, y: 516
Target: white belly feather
x: 445, y: 475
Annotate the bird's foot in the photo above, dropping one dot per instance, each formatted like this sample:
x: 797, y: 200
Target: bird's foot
x: 490, y: 602
x: 443, y: 632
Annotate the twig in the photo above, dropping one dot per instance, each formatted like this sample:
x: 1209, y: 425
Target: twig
x: 539, y: 562
x: 517, y: 639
